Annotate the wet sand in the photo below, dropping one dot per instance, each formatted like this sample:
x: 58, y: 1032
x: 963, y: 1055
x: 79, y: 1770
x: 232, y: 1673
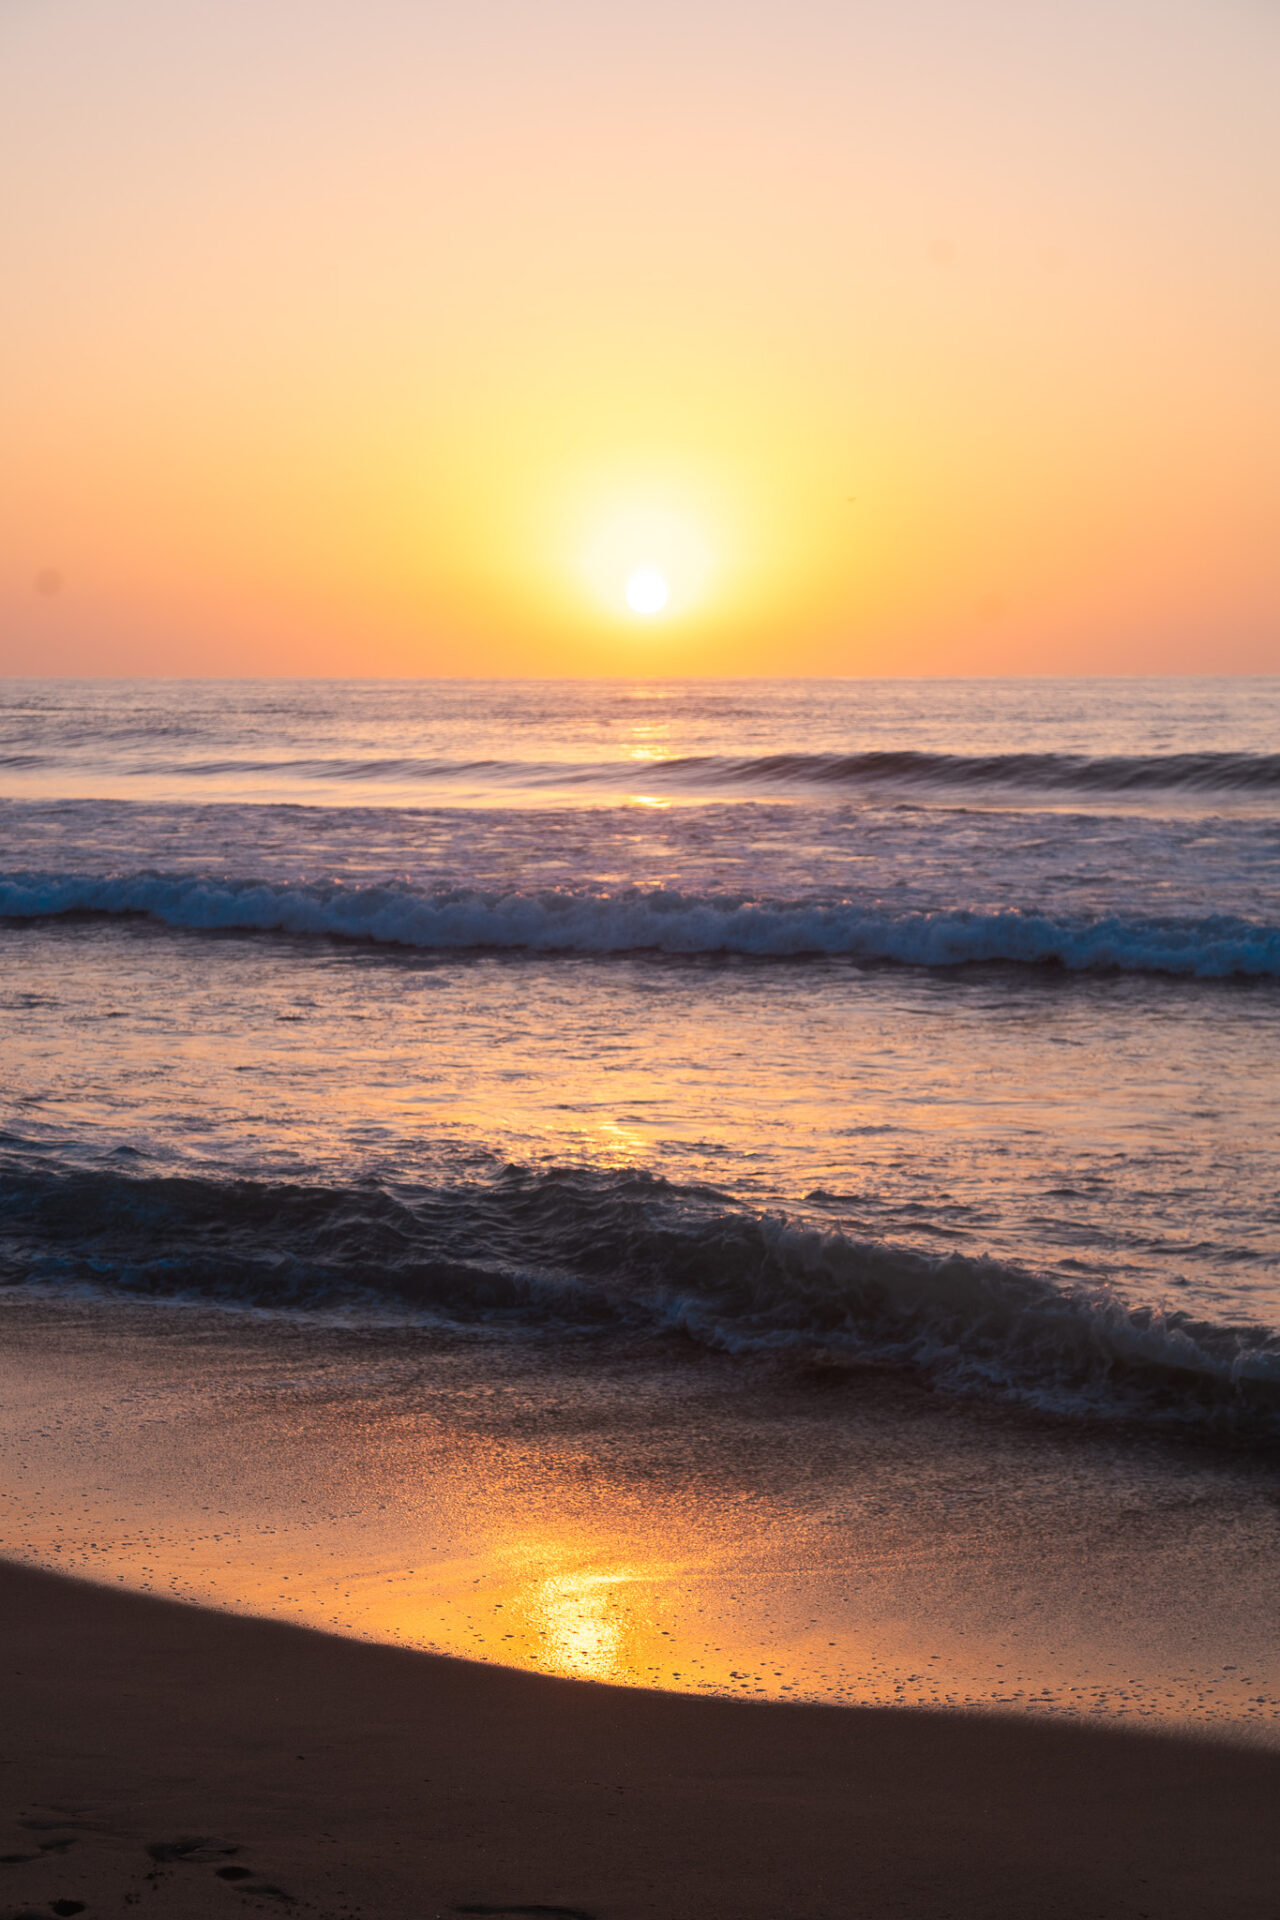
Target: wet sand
x: 644, y: 1520
x: 163, y: 1758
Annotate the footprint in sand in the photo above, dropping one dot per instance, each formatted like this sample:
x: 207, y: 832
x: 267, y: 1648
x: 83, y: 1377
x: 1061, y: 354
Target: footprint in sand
x: 193, y: 1851
x: 63, y: 1908
x: 58, y: 1845
x: 548, y: 1913
x: 196, y: 1850
x: 103, y: 1855
x: 45, y: 1849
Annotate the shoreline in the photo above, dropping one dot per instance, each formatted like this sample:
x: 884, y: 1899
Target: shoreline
x: 643, y: 1525
x: 346, y: 1778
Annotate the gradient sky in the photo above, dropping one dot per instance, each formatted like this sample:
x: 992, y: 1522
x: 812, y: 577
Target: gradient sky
x: 390, y: 337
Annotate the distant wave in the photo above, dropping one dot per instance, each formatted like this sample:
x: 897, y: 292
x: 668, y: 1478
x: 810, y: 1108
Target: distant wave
x: 1209, y: 947
x: 563, y: 1251
x: 1085, y: 775
x: 1032, y: 772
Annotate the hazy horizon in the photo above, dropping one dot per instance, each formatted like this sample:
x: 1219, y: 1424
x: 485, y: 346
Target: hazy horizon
x: 642, y: 678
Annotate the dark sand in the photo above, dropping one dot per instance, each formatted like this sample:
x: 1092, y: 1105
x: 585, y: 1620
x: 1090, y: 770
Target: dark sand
x: 360, y: 1779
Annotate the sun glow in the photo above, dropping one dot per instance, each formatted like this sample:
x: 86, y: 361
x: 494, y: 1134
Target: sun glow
x: 640, y: 558
x: 617, y: 563
x: 647, y: 591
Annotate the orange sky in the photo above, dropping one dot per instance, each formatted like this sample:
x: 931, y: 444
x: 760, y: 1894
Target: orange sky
x: 393, y: 337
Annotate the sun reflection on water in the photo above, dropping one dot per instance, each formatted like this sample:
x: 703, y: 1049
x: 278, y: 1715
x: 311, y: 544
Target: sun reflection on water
x: 610, y: 1144
x: 583, y: 1624
x: 519, y: 1536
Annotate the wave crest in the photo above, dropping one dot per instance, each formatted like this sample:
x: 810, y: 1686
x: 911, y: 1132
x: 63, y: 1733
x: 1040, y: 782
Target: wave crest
x: 566, y: 1250
x: 906, y: 769
x: 1216, y: 946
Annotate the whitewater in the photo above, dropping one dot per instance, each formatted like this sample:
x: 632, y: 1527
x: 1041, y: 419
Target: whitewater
x: 925, y: 1026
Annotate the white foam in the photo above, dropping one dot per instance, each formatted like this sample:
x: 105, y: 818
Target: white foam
x: 564, y: 1252
x: 1207, y: 947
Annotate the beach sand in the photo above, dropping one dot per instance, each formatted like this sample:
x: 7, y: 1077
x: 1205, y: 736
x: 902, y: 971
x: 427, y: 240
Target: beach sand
x: 341, y: 1778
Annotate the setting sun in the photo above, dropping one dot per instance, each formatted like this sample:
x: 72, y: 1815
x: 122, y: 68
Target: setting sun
x: 642, y: 547
x: 647, y: 591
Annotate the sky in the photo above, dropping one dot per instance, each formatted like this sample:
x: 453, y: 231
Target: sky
x: 639, y: 337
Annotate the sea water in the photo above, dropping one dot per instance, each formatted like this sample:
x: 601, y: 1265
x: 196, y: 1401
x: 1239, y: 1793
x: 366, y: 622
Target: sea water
x: 919, y: 1032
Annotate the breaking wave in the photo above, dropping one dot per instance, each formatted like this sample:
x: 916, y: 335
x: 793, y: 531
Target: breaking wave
x: 1209, y: 947
x: 567, y: 1251
x: 1084, y: 774
x: 1089, y: 776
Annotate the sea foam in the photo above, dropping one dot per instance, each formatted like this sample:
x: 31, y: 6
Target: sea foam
x: 565, y: 1252
x: 583, y: 921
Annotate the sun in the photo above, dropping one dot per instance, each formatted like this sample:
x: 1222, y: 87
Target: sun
x: 647, y: 591
x: 646, y: 555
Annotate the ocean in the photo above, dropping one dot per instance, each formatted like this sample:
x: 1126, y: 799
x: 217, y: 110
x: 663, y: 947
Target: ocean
x: 871, y: 1068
